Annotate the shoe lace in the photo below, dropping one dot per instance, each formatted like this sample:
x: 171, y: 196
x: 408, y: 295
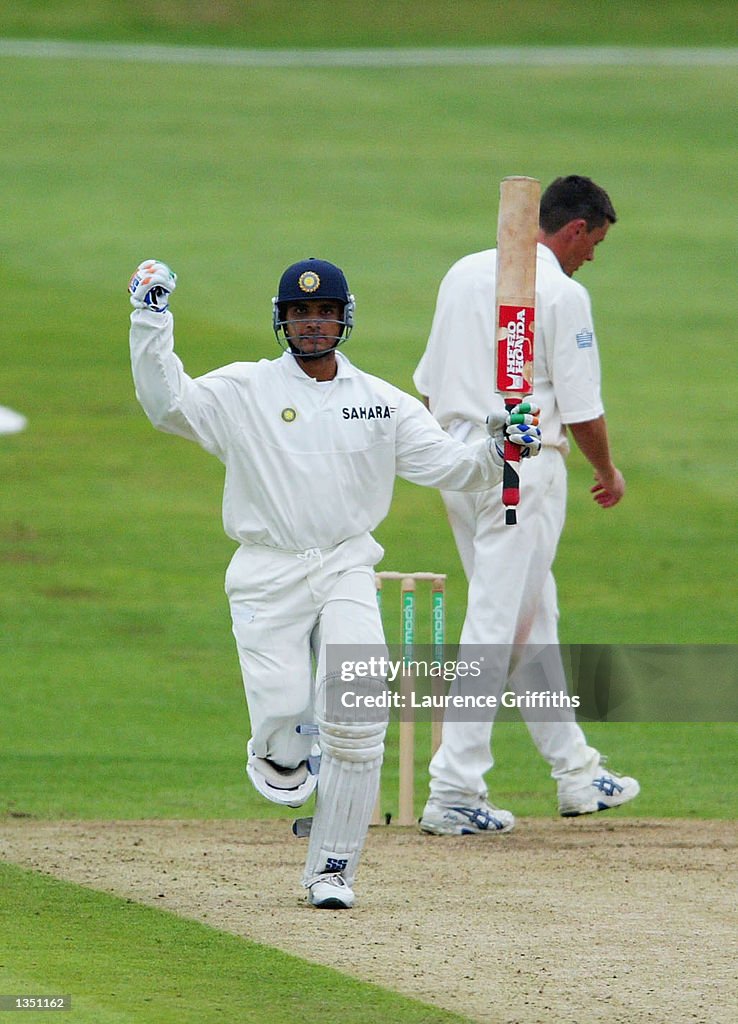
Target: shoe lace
x: 603, y: 767
x: 332, y: 878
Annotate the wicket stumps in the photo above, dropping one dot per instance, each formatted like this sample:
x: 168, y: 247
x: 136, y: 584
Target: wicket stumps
x: 408, y: 629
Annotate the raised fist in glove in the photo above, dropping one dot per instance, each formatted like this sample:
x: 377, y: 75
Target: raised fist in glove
x: 151, y: 285
x: 520, y: 426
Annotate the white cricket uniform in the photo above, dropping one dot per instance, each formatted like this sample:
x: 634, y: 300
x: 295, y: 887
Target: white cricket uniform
x: 309, y: 472
x: 512, y: 593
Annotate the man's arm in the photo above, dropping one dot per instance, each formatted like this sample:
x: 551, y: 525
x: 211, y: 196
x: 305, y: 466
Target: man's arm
x: 172, y: 401
x: 427, y: 455
x: 591, y: 438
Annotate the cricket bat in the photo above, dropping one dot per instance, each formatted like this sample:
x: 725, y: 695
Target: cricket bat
x: 515, y: 298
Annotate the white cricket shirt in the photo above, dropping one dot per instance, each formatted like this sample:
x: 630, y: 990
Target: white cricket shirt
x: 307, y: 464
x: 458, y: 368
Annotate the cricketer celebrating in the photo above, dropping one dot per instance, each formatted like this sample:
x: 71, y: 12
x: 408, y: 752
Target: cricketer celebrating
x: 311, y: 447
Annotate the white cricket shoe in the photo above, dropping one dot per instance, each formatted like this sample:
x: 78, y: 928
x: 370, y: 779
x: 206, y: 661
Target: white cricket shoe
x: 481, y: 819
x: 331, y: 892
x: 288, y: 786
x: 606, y: 790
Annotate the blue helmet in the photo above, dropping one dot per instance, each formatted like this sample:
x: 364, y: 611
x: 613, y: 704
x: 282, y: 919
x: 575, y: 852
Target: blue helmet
x: 312, y: 279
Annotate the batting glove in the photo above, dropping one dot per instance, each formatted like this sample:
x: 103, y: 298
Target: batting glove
x: 520, y: 426
x: 151, y: 285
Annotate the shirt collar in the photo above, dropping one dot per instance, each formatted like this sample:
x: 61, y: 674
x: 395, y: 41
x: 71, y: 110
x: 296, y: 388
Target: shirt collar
x: 293, y: 369
x: 544, y: 253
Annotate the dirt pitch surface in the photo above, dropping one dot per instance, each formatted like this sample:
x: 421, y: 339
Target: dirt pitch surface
x: 561, y: 922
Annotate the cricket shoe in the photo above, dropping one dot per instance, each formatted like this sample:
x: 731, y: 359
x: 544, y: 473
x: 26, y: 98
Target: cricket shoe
x: 606, y: 790
x: 288, y: 786
x: 482, y: 819
x: 331, y: 892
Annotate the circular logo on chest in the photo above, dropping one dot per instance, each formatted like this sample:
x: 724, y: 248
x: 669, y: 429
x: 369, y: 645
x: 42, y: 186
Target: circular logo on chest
x: 289, y: 415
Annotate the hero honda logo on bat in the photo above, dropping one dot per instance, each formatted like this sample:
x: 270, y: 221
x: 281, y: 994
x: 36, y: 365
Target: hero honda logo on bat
x: 515, y: 330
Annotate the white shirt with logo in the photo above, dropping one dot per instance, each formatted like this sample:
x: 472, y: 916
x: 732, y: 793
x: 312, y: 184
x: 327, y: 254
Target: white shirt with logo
x: 457, y: 369
x: 308, y: 464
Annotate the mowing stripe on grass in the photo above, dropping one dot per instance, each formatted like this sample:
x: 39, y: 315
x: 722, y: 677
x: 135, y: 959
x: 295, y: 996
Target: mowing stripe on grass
x: 122, y: 962
x: 480, y: 56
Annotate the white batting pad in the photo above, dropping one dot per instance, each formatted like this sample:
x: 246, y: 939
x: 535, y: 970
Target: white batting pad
x: 346, y: 798
x: 352, y: 746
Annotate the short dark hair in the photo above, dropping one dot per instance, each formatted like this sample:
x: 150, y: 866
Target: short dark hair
x: 572, y: 198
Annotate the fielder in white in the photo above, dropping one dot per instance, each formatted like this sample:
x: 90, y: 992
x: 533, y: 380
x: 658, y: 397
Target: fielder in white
x: 311, y: 447
x: 512, y: 594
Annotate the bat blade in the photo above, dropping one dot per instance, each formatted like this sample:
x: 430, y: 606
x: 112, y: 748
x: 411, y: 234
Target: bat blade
x: 515, y: 296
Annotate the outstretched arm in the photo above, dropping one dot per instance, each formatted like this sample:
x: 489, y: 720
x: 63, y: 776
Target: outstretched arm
x: 427, y: 455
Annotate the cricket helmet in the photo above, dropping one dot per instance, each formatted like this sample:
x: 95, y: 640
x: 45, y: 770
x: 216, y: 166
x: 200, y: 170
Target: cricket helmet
x: 312, y: 279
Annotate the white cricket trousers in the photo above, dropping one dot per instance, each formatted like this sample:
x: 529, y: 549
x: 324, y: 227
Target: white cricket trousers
x: 511, y: 601
x: 286, y: 607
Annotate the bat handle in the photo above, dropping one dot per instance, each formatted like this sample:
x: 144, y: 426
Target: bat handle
x: 510, y: 475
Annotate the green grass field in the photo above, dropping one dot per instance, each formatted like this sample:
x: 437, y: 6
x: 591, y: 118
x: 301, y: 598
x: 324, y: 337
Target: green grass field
x: 333, y: 23
x: 148, y: 966
x: 120, y: 688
